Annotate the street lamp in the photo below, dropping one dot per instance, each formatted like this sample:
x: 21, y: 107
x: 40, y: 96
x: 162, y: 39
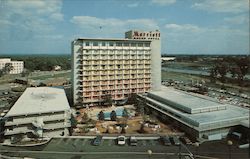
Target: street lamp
x: 197, y: 144
x: 149, y: 153
x: 180, y: 151
x: 229, y: 143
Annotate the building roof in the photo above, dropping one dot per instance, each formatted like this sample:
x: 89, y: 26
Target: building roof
x: 187, y: 102
x: 112, y: 39
x: 232, y: 115
x: 40, y: 100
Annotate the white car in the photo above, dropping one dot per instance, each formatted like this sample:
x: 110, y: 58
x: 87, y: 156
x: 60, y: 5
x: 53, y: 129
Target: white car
x: 121, y: 140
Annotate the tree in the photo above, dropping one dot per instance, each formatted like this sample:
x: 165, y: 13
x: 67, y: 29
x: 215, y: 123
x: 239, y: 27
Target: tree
x: 1, y: 73
x: 243, y: 67
x: 213, y: 75
x: 140, y: 106
x: 113, y: 116
x: 222, y: 69
x: 7, y: 68
x: 125, y: 113
x: 107, y: 101
x: 73, y: 122
x: 132, y: 98
x: 123, y: 131
x: 85, y: 117
x: 101, y: 116
x: 142, y: 130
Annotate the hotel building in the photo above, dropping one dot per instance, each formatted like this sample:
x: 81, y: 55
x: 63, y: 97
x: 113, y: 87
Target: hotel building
x: 115, y: 67
x: 17, y: 65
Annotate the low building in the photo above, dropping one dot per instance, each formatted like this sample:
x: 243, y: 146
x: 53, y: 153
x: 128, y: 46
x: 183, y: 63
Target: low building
x: 163, y: 59
x: 17, y: 65
x: 198, y: 115
x: 39, y: 112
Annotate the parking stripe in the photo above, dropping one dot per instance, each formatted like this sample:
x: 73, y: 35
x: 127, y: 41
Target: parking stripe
x: 110, y: 142
x: 84, y: 142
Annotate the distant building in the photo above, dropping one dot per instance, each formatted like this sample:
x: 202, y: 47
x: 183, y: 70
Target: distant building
x: 116, y: 67
x: 168, y: 59
x: 39, y: 112
x: 57, y: 68
x: 17, y: 65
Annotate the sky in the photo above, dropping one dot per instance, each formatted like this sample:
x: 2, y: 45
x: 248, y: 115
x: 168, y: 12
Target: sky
x: 186, y: 26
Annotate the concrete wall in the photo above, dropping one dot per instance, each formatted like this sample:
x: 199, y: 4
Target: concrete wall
x: 75, y: 46
x: 156, y: 64
x: 46, y: 117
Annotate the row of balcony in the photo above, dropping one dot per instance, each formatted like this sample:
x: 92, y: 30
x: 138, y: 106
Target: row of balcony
x: 125, y: 72
x: 113, y: 82
x: 111, y: 67
x: 115, y: 62
x: 113, y: 48
x: 98, y: 98
x: 104, y: 78
x: 113, y: 57
x: 115, y: 92
x: 116, y: 87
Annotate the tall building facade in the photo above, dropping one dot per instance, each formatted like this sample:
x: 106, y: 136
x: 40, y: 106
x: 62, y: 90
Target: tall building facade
x: 113, y: 68
x: 17, y: 65
x: 154, y: 37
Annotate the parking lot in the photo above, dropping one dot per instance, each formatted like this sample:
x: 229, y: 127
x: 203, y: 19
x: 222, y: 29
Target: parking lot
x: 76, y: 148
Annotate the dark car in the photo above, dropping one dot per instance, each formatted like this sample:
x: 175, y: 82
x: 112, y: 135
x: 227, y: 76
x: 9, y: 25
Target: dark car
x: 97, y: 141
x: 133, y: 141
x: 175, y: 140
x: 165, y: 140
x: 185, y: 140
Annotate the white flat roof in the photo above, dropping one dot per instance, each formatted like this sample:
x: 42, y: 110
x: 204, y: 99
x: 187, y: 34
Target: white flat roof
x: 188, y: 102
x: 40, y: 100
x: 113, y: 39
x: 232, y: 115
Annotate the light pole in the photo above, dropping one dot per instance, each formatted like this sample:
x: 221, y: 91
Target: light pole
x: 229, y: 143
x: 149, y: 153
x: 197, y: 144
x: 180, y: 151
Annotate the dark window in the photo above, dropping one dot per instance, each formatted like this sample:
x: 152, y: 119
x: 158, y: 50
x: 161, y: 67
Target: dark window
x: 147, y: 44
x: 87, y: 43
x: 118, y: 44
x: 95, y: 43
x: 126, y: 44
x: 111, y: 44
x: 133, y: 44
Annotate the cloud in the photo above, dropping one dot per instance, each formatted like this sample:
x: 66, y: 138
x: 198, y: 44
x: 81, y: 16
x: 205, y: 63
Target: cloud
x: 163, y: 2
x: 233, y: 6
x: 133, y: 5
x: 189, y: 38
x: 25, y: 19
x: 111, y: 26
x: 239, y: 19
x: 185, y: 27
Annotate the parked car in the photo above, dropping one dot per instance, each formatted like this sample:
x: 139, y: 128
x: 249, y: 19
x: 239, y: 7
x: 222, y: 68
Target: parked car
x: 175, y: 140
x: 165, y: 140
x: 185, y: 140
x: 133, y: 141
x: 97, y: 140
x: 121, y: 140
